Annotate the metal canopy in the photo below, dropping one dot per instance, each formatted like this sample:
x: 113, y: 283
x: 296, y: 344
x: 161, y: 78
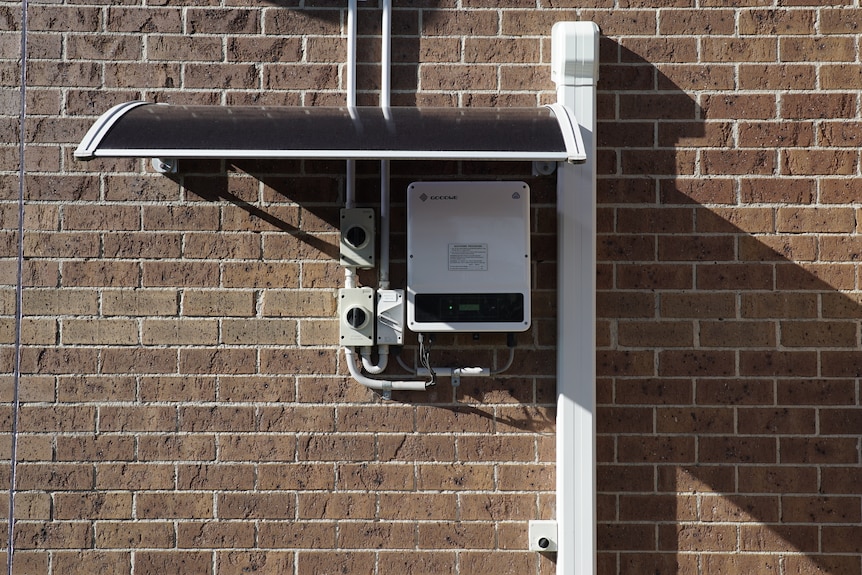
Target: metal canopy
x: 145, y: 130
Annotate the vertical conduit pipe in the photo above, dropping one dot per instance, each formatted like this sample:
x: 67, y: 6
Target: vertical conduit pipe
x: 350, y: 74
x: 385, y: 98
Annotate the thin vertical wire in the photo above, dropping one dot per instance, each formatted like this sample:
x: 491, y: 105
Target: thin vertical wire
x: 19, y: 299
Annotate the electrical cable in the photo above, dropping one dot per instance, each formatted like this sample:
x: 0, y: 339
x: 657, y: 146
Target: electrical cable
x: 19, y: 297
x: 425, y: 357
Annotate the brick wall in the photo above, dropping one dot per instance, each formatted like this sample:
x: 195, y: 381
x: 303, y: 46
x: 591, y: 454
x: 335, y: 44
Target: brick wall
x: 184, y: 407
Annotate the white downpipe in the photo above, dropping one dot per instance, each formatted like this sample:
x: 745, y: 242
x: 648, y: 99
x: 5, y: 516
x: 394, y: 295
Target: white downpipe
x: 379, y: 384
x: 574, y: 64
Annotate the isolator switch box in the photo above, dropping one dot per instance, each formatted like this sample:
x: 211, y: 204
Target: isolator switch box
x: 468, y: 256
x: 356, y: 316
x: 357, y: 237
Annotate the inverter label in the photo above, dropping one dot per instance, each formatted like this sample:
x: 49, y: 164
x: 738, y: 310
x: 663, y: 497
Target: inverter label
x: 468, y: 257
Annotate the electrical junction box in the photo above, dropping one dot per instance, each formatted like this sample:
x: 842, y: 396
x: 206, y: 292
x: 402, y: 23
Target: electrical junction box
x: 357, y: 237
x: 468, y: 257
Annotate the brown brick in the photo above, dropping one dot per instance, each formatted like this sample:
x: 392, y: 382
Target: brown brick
x: 93, y: 506
x: 256, y: 448
x: 173, y: 562
x: 216, y: 418
x: 232, y: 361
x: 737, y: 334
x: 133, y: 535
x: 376, y: 535
x: 694, y: 420
x: 263, y: 562
x: 825, y: 106
x: 818, y: 334
x: 814, y: 276
x: 89, y: 561
x: 218, y: 303
x: 173, y: 505
x: 38, y: 418
x: 180, y: 274
x: 777, y: 248
x: 137, y: 418
x: 134, y: 476
x: 247, y: 388
x: 497, y: 507
x: 415, y: 447
x: 149, y: 19
x: 661, y: 334
x: 456, y: 535
x: 176, y: 447
x: 298, y: 476
x: 138, y: 360
x: 140, y: 302
x: 99, y: 331
x: 53, y: 535
x: 299, y: 76
x: 821, y: 49
x: 776, y: 76
x: 266, y: 332
x: 298, y: 534
x: 170, y: 388
x: 782, y: 363
x: 770, y: 134
x: 760, y: 538
x: 815, y: 392
x: 336, y: 505
x: 215, y: 534
x: 258, y: 49
x: 818, y: 450
x: 100, y: 273
x: 829, y: 162
x: 55, y: 477
x: 697, y: 363
x: 297, y: 361
x: 299, y: 303
x: 776, y: 479
x: 179, y: 332
x: 742, y: 162
x: 737, y: 449
x: 730, y: 49
x: 656, y: 449
x: 142, y: 245
x: 215, y: 477
x: 312, y: 562
x: 781, y: 22
x: 95, y: 448
x: 354, y: 447
x: 813, y: 563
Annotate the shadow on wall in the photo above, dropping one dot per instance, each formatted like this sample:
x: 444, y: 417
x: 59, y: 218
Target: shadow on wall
x: 728, y: 359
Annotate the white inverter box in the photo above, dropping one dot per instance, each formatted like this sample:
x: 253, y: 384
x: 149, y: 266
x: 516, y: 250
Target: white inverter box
x: 468, y: 256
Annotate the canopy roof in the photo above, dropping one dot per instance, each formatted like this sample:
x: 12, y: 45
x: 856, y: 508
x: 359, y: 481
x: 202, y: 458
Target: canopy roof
x: 146, y: 130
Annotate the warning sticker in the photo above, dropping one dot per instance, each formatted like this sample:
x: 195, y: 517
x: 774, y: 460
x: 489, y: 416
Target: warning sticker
x: 468, y: 257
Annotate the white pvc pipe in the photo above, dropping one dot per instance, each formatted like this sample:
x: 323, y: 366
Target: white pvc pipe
x: 382, y: 360
x: 385, y: 100
x: 386, y: 54
x: 379, y: 384
x: 350, y: 73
